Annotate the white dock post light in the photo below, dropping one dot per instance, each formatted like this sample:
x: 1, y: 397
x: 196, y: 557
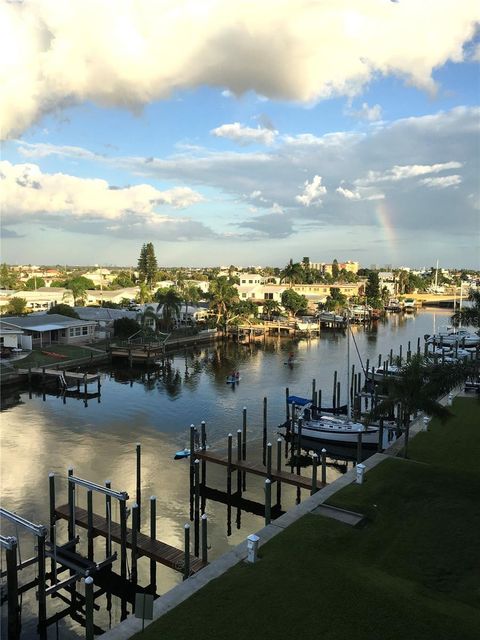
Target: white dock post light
x: 252, y: 547
x: 360, y: 473
x: 450, y: 399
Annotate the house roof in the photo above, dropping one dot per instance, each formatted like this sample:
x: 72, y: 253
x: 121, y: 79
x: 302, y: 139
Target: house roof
x: 104, y: 313
x: 44, y: 322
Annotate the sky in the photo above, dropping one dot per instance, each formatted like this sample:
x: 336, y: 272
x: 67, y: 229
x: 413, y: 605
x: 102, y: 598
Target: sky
x: 240, y: 132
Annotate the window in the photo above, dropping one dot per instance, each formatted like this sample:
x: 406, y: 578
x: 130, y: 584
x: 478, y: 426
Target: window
x: 63, y: 333
x: 244, y: 295
x: 84, y: 331
x: 71, y: 332
x: 268, y: 296
x: 250, y: 282
x: 77, y: 331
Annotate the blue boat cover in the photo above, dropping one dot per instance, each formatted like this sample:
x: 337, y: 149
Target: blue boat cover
x: 300, y: 402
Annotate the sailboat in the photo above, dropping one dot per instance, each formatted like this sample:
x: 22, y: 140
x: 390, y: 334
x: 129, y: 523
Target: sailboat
x: 335, y: 429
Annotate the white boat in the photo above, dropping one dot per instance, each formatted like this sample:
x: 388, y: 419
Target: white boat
x: 378, y: 374
x: 393, y: 305
x: 460, y: 336
x: 409, y: 305
x: 333, y: 429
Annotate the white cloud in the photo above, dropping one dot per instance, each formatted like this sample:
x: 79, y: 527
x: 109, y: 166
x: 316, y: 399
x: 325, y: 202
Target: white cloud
x: 404, y: 172
x: 371, y: 114
x: 312, y: 192
x: 245, y: 135
x: 349, y: 195
x: 130, y: 53
x: 66, y: 201
x: 442, y: 182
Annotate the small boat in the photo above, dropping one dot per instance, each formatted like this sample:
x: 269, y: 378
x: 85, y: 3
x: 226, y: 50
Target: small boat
x: 393, y: 305
x: 185, y: 453
x: 378, y: 374
x: 233, y: 379
x: 409, y: 305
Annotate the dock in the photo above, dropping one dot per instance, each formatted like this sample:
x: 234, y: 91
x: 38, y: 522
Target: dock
x: 156, y: 550
x: 63, y: 377
x: 258, y: 469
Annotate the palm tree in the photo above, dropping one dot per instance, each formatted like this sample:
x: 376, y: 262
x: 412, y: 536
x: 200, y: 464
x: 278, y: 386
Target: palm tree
x: 191, y: 295
x: 293, y: 272
x: 417, y: 388
x: 270, y: 307
x: 169, y: 303
x: 144, y: 294
x: 147, y: 319
x: 469, y: 315
x: 223, y: 296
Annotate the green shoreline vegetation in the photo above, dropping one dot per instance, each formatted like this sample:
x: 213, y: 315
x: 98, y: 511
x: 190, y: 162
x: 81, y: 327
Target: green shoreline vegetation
x: 410, y: 572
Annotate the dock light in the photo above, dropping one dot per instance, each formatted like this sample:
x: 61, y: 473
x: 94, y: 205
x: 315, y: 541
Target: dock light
x: 360, y: 473
x: 252, y: 547
x: 426, y: 421
x: 450, y: 399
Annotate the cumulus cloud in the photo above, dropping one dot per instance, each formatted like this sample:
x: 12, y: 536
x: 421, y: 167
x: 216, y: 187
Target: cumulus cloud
x: 313, y: 192
x: 441, y: 182
x: 129, y: 53
x: 349, y: 195
x: 371, y: 114
x: 245, y: 135
x: 65, y: 201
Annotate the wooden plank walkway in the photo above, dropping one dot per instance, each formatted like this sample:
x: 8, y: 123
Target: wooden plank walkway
x: 154, y: 549
x: 75, y: 375
x: 258, y: 469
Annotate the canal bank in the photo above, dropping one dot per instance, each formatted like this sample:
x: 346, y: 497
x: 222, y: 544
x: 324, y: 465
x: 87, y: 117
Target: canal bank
x: 407, y: 573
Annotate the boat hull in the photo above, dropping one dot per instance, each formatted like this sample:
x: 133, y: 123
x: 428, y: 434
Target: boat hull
x: 336, y: 436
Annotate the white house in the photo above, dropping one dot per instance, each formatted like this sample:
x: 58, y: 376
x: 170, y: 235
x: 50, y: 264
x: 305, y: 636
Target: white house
x: 47, y: 329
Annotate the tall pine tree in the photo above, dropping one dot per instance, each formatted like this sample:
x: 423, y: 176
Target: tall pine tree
x: 147, y: 264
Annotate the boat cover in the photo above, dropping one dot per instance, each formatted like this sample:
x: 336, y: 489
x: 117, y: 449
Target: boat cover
x: 300, y: 402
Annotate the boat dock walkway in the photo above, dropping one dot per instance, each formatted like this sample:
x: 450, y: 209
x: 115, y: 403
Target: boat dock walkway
x: 64, y: 377
x: 258, y: 469
x: 146, y: 546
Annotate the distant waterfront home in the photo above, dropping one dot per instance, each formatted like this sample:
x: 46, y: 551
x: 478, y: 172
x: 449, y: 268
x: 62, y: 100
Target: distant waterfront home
x: 40, y: 299
x: 96, y: 296
x: 47, y: 329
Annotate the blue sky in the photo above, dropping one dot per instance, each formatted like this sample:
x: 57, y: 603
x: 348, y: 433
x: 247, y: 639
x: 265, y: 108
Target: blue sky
x: 235, y: 133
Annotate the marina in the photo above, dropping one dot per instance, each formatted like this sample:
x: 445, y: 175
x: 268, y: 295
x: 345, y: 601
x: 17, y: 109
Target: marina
x: 154, y: 407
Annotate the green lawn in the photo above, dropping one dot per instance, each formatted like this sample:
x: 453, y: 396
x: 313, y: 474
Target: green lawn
x: 411, y: 573
x: 41, y: 357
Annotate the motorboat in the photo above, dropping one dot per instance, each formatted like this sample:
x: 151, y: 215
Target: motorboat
x: 409, y: 305
x: 379, y: 374
x: 393, y: 305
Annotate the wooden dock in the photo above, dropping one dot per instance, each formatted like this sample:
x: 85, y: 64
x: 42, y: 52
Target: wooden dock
x: 259, y: 470
x: 154, y: 549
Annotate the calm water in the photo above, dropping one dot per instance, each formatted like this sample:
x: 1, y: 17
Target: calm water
x: 42, y: 434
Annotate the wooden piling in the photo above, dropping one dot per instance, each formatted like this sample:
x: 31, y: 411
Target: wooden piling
x: 268, y: 501
x: 203, y: 445
x: 196, y: 511
x: 299, y: 443
x: 134, y: 550
x: 89, y: 607
x: 186, y: 566
x: 334, y: 402
x: 123, y: 539
x: 313, y: 391
x: 244, y: 445
x: 204, y: 539
x: 319, y: 400
x: 380, y: 436
x: 324, y: 466
x: 51, y: 494
x: 229, y: 465
x: 269, y: 460
x: 314, y: 474
x: 379, y: 360
x: 13, y: 624
x: 42, y: 585
x: 239, y: 458
x: 90, y: 524
x: 287, y: 406
x: 108, y: 516
x: 338, y: 397
x: 279, y: 468
x: 153, y: 535
x: 71, y: 506
x: 138, y: 483
x: 359, y: 447
x: 264, y: 439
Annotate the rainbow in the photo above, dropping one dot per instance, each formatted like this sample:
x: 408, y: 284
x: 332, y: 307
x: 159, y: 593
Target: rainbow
x: 384, y: 218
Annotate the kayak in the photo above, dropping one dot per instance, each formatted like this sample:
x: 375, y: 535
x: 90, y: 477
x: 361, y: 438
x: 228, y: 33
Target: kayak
x: 231, y: 380
x: 184, y: 453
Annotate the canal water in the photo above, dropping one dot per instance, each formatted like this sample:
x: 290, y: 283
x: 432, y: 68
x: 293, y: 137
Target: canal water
x: 48, y: 433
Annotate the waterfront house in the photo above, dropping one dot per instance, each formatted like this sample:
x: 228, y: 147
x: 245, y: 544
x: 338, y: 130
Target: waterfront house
x: 47, y: 329
x: 10, y: 338
x: 97, y: 296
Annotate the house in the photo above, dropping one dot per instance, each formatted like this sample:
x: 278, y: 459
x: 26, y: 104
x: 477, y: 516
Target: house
x: 40, y: 299
x: 250, y: 279
x: 47, y: 329
x: 388, y: 281
x: 104, y: 318
x: 10, y: 338
x: 96, y: 296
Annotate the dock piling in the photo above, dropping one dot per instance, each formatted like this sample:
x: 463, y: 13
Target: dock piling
x: 89, y: 605
x: 153, y: 535
x: 324, y: 466
x: 204, y: 539
x: 314, y: 473
x: 279, y: 468
x: 186, y: 566
x: 139, y: 482
x: 264, y: 439
x: 196, y: 511
x: 268, y: 501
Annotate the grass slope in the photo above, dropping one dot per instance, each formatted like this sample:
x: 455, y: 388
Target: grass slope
x: 411, y: 572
